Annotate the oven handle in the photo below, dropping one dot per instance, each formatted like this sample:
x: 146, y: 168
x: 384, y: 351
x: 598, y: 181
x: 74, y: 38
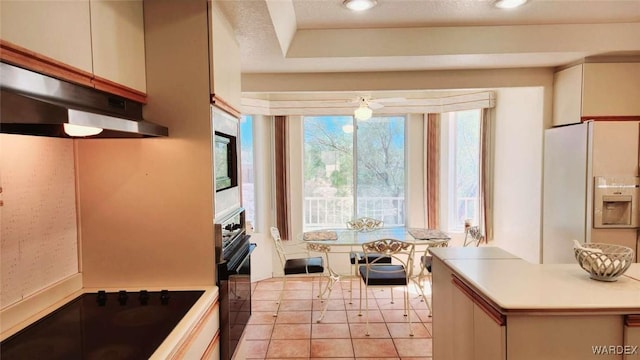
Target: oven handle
x: 252, y: 246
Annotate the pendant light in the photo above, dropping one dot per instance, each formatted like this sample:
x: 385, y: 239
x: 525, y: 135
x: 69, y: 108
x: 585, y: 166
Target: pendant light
x: 363, y: 112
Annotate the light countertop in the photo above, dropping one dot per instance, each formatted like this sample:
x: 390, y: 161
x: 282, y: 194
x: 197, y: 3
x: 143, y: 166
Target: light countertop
x: 483, y: 252
x: 633, y: 272
x: 518, y: 285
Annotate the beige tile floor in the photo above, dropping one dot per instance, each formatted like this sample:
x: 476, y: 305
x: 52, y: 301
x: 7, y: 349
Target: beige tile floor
x: 295, y: 334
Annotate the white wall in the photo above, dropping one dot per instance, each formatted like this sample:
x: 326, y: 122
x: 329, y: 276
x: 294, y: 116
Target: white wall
x: 263, y: 256
x: 519, y: 129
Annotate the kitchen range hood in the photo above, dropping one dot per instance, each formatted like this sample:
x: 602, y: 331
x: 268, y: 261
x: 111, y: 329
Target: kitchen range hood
x: 36, y: 104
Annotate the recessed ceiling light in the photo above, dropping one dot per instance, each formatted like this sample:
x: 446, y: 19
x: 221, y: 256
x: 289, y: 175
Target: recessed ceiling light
x: 359, y: 5
x: 508, y: 4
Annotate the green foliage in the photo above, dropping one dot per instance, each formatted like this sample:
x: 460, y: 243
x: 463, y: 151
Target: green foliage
x: 380, y: 155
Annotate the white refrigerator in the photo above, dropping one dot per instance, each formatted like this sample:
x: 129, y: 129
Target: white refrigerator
x: 581, y: 161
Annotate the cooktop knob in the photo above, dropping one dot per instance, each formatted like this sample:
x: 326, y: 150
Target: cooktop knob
x: 122, y: 297
x: 164, y: 297
x: 102, y: 298
x: 144, y: 297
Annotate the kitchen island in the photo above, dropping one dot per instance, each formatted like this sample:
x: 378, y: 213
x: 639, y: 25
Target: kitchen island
x: 489, y: 304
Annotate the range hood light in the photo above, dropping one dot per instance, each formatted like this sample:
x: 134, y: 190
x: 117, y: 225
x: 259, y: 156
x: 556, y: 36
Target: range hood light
x: 79, y: 130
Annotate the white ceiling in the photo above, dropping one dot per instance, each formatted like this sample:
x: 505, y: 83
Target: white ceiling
x: 289, y: 36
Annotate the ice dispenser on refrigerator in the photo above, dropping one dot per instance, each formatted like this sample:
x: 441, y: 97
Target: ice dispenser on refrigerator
x: 616, y: 202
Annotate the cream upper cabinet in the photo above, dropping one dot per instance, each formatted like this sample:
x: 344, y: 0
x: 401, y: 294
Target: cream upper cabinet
x: 611, y: 89
x: 60, y: 30
x: 117, y: 36
x: 596, y: 89
x: 225, y: 58
x: 567, y: 100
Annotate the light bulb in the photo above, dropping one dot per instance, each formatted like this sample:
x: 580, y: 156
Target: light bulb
x: 347, y: 128
x: 509, y: 4
x: 359, y: 5
x: 79, y: 130
x: 363, y: 113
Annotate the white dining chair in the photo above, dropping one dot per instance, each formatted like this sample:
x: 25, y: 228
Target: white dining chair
x: 296, y: 260
x: 356, y: 258
x: 387, y: 275
x: 425, y: 271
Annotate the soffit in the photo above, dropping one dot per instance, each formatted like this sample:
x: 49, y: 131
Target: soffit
x: 322, y: 36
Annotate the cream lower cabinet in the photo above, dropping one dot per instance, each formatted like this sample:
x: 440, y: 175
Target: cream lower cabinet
x: 479, y: 331
x: 631, y: 335
x: 203, y: 342
x: 564, y: 337
x: 442, y: 305
x: 489, y: 335
x: 462, y: 329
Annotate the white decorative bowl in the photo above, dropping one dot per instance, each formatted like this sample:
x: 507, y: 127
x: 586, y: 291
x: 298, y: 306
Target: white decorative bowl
x: 604, y: 262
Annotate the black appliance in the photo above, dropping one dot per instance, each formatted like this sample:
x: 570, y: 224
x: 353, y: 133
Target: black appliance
x: 233, y: 260
x: 102, y: 325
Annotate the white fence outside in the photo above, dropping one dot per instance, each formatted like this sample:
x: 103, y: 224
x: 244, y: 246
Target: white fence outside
x: 330, y: 212
x: 334, y: 212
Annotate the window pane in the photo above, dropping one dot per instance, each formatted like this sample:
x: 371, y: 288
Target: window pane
x: 246, y: 149
x: 329, y: 195
x: 380, y: 169
x: 328, y: 171
x: 467, y: 161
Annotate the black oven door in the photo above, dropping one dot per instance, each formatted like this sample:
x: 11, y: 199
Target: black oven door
x: 235, y: 300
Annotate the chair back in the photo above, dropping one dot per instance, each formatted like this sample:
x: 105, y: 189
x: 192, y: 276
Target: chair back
x: 324, y: 249
x: 282, y: 255
x: 401, y: 253
x: 364, y: 224
x: 473, y: 236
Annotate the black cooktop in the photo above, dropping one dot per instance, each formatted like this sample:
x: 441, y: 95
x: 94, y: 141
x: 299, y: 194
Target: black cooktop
x: 118, y: 325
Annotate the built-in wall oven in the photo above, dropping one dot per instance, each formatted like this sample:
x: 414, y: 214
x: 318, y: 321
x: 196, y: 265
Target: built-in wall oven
x: 233, y: 260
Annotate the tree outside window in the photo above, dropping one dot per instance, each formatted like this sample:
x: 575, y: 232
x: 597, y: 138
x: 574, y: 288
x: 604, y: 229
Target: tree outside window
x: 332, y: 145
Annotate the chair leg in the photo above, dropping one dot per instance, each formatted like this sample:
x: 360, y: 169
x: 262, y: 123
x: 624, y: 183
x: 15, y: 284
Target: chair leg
x: 419, y: 282
x: 322, y: 290
x: 425, y: 298
x: 407, y: 305
x: 354, y: 268
x: 284, y: 283
x: 331, y: 281
x: 360, y: 305
x: 366, y: 296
